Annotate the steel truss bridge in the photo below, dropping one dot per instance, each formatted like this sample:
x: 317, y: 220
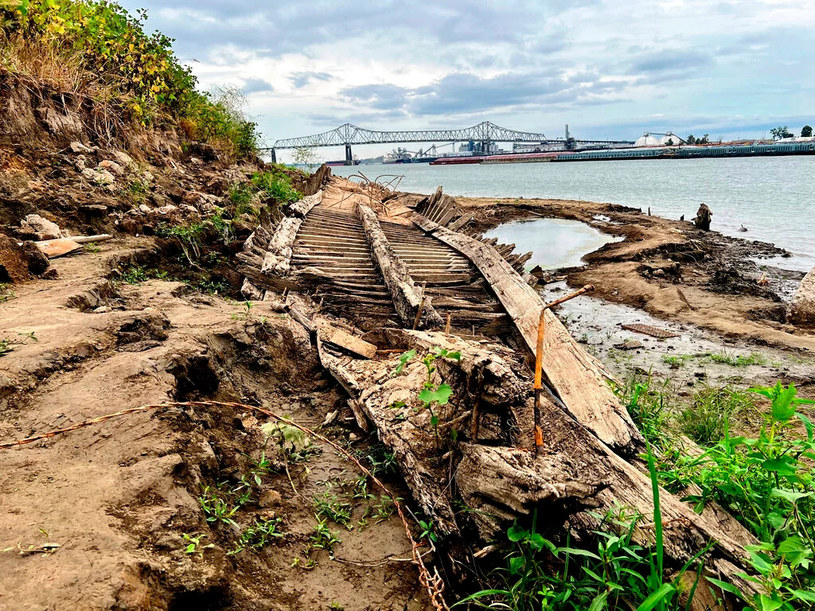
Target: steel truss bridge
x: 484, y: 133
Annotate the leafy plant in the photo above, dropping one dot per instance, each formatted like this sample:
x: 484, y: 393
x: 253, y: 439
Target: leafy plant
x: 194, y: 543
x: 215, y: 506
x: 136, y: 76
x: 188, y: 235
x: 767, y: 484
x: 258, y: 535
x: 276, y: 185
x: 332, y: 508
x: 431, y: 393
x: 428, y: 530
x: 323, y: 537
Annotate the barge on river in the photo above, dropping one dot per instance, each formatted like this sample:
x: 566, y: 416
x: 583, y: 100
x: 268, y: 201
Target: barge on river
x: 658, y: 152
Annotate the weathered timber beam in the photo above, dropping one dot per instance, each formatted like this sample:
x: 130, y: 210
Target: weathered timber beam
x: 406, y: 298
x: 277, y: 246
x: 571, y: 371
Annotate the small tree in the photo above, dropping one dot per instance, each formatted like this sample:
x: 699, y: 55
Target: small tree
x: 305, y: 156
x: 691, y: 139
x: 780, y: 132
x: 806, y: 131
x: 704, y: 139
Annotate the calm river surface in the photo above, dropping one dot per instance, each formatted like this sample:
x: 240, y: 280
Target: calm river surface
x: 774, y: 197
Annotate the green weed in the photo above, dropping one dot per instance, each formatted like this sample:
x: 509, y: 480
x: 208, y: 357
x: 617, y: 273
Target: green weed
x: 331, y: 507
x: 276, y: 185
x: 767, y: 484
x: 258, y: 535
x: 676, y: 360
x: 138, y: 274
x: 323, y: 537
x: 738, y: 360
x: 706, y: 419
x: 194, y: 545
x: 215, y: 507
x: 647, y: 407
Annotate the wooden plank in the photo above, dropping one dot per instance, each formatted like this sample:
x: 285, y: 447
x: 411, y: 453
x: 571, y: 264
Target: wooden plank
x: 408, y: 302
x: 277, y: 258
x: 574, y: 375
x: 334, y: 335
x: 59, y: 248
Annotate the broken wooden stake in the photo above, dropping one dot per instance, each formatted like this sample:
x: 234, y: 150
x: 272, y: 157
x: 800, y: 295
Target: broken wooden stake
x: 539, y: 360
x: 577, y: 293
x: 538, y: 380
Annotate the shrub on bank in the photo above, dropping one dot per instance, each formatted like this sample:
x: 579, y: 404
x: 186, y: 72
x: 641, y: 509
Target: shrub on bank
x: 96, y: 49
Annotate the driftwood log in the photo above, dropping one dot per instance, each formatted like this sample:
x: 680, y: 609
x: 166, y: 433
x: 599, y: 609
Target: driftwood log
x: 410, y: 305
x: 703, y: 218
x: 578, y: 378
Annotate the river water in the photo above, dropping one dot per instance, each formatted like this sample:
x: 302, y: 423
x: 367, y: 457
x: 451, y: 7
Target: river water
x: 773, y: 197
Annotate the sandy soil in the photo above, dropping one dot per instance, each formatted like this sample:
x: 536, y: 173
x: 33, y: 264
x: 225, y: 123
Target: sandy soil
x: 96, y: 518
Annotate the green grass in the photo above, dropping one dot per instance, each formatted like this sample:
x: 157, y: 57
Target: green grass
x: 137, y: 274
x: 676, y: 360
x: 706, y: 418
x: 738, y: 360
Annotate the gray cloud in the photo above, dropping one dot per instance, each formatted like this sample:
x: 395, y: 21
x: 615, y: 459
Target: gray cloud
x: 589, y: 62
x: 255, y: 85
x: 676, y: 60
x: 301, y: 79
x: 468, y: 94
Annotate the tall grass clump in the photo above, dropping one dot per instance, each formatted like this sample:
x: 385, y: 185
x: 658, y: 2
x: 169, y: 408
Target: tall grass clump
x: 95, y: 49
x: 766, y: 481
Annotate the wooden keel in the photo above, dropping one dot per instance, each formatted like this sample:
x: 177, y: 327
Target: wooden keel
x: 412, y: 307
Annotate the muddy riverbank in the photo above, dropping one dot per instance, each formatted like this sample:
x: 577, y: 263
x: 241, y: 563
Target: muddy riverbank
x: 671, y: 270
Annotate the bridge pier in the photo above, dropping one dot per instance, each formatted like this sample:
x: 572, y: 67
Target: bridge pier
x: 274, y: 156
x: 349, y: 159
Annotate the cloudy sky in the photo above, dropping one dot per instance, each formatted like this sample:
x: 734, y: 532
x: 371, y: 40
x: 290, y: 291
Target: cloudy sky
x: 608, y: 68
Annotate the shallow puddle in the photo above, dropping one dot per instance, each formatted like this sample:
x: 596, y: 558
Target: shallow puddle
x: 554, y: 242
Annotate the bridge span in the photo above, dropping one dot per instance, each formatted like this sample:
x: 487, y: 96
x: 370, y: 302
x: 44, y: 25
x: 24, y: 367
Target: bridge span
x: 485, y: 133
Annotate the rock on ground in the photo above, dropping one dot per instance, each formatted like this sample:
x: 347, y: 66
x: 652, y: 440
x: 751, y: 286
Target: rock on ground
x: 19, y: 262
x: 802, y: 307
x: 41, y: 227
